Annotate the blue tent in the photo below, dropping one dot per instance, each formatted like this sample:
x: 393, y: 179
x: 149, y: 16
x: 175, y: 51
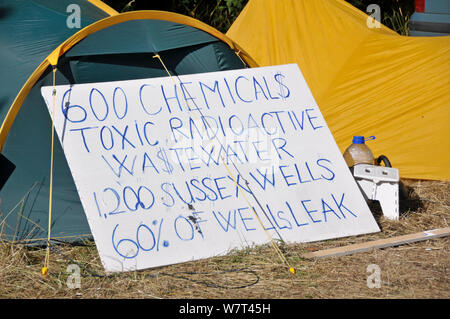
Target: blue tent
x: 35, y: 36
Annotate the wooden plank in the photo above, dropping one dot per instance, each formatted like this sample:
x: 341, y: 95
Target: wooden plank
x: 381, y: 243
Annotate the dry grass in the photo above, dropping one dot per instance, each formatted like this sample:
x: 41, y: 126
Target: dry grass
x: 418, y: 270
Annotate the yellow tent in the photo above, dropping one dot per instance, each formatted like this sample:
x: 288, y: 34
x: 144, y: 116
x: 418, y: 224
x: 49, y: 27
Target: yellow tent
x: 367, y: 80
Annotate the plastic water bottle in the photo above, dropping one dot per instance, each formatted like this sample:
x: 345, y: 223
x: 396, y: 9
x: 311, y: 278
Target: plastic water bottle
x: 358, y: 152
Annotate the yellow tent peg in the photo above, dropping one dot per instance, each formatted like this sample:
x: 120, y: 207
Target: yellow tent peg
x: 44, y: 271
x: 292, y: 270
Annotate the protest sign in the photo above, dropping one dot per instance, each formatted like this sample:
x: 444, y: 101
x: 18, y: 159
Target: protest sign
x: 186, y: 167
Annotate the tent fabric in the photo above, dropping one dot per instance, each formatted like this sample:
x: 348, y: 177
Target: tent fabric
x: 188, y: 60
x: 366, y: 80
x: 26, y: 136
x: 140, y: 36
x: 29, y: 31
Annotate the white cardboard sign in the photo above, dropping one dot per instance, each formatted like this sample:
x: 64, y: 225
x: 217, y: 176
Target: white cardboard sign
x: 176, y: 169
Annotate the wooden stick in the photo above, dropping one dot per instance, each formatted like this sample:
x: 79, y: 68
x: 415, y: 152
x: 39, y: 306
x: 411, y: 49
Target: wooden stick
x: 382, y: 243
